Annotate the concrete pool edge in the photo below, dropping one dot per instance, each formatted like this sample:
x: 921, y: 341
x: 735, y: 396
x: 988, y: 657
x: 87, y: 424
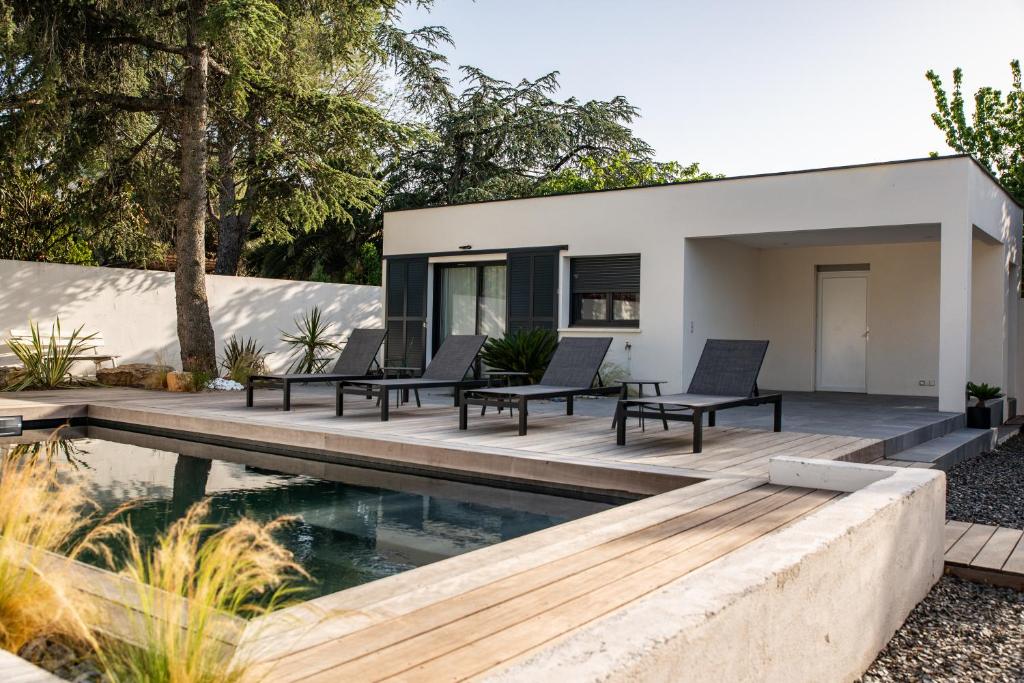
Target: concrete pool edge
x: 814, y: 601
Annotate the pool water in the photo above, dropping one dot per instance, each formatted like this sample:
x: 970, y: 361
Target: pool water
x: 361, y: 526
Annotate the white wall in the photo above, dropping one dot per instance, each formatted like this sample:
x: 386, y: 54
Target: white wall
x: 134, y: 309
x: 657, y: 222
x: 903, y: 312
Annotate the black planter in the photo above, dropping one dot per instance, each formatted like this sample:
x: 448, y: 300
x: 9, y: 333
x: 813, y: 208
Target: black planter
x: 985, y: 418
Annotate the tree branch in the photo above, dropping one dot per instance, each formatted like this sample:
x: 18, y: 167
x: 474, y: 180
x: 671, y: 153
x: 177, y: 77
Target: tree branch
x: 150, y: 43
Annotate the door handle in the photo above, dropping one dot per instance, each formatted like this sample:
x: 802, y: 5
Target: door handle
x: 867, y: 333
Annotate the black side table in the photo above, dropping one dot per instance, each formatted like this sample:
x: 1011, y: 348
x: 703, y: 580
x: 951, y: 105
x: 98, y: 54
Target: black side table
x: 640, y: 383
x: 400, y: 372
x: 503, y: 378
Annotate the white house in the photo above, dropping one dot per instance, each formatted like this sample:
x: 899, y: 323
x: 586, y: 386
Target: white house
x: 889, y: 278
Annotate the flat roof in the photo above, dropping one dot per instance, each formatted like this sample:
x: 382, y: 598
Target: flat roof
x: 728, y: 178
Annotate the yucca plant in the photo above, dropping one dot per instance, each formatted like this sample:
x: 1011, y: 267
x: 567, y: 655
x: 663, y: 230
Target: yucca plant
x: 47, y: 364
x: 243, y: 357
x: 311, y: 347
x: 42, y: 512
x: 527, y: 351
x: 239, y: 571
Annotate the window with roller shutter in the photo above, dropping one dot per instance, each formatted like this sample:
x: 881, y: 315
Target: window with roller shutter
x: 605, y: 291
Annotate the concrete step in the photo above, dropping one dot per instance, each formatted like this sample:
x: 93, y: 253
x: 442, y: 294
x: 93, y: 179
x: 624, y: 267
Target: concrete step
x: 911, y: 438
x: 949, y: 449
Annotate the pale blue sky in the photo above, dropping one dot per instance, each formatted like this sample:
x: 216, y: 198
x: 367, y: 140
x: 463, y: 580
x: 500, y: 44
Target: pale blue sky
x: 750, y: 86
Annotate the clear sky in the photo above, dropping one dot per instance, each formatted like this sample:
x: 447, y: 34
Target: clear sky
x: 750, y: 86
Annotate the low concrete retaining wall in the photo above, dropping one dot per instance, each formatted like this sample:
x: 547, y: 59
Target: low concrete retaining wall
x: 134, y: 309
x: 813, y: 602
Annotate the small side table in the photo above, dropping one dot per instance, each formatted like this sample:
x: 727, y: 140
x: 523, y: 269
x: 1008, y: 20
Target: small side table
x: 399, y: 372
x: 640, y: 383
x: 503, y: 378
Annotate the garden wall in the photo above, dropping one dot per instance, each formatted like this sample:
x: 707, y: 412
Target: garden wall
x: 134, y: 309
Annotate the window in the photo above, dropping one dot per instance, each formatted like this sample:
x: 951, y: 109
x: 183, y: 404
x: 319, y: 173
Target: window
x: 605, y: 290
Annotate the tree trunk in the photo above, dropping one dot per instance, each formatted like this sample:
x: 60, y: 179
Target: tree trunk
x: 195, y: 331
x: 233, y: 230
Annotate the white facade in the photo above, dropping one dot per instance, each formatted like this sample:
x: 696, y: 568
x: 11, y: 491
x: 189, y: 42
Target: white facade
x: 938, y: 242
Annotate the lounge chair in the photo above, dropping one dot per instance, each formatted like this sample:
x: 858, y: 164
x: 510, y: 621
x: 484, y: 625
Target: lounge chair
x: 10, y: 426
x: 356, y: 360
x: 571, y: 372
x: 726, y: 377
x: 448, y: 368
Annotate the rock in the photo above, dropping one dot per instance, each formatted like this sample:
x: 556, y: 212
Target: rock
x: 7, y: 373
x: 139, y: 375
x: 179, y: 381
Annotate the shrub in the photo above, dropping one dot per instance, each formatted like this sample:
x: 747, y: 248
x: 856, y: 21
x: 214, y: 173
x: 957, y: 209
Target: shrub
x: 983, y: 392
x: 42, y: 513
x: 310, y: 347
x: 527, y: 351
x: 238, y: 571
x: 47, y: 365
x: 243, y: 357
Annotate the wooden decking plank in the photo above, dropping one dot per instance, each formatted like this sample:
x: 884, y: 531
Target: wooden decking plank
x: 357, y: 606
x: 953, y: 531
x: 485, y: 653
x: 970, y: 544
x: 998, y: 548
x: 431, y: 640
x: 1015, y: 562
x: 512, y: 589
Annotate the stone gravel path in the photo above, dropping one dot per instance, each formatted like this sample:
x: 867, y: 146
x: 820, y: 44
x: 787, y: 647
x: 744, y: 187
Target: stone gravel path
x: 962, y: 631
x: 989, y: 489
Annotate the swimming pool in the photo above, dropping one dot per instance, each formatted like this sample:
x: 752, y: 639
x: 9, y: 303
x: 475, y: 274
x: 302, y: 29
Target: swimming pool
x: 355, y: 525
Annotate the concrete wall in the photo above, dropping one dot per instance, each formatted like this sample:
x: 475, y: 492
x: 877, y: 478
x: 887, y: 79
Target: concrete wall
x: 850, y: 206
x: 814, y: 601
x: 134, y: 309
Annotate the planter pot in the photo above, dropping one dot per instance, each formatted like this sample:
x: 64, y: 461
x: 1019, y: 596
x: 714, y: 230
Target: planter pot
x: 985, y: 417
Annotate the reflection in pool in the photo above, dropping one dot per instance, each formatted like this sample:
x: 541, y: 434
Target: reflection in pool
x: 360, y: 526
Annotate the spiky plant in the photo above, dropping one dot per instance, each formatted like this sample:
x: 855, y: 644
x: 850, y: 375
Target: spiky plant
x: 310, y: 346
x: 527, y: 351
x: 47, y: 364
x: 236, y: 571
x: 243, y: 357
x: 42, y: 512
x: 983, y: 392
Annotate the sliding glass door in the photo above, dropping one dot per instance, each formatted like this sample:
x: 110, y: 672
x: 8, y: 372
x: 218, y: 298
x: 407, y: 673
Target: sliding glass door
x: 470, y: 299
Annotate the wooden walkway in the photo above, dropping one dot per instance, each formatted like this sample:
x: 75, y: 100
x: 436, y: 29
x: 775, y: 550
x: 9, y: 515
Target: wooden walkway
x: 431, y: 433
x: 478, y: 613
x: 989, y: 554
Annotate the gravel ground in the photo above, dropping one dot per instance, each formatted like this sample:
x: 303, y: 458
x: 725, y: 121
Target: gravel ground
x: 990, y: 488
x: 962, y: 631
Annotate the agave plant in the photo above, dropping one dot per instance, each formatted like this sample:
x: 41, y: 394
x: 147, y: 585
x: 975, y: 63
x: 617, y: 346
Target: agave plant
x: 527, y: 351
x: 47, y: 362
x: 243, y: 357
x: 311, y: 348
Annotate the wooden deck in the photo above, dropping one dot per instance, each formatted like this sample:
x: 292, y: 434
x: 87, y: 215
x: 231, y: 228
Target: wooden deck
x: 476, y: 613
x: 430, y: 435
x: 990, y: 554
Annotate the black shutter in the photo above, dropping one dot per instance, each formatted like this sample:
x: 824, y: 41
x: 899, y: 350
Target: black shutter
x: 406, y: 315
x: 606, y: 274
x: 532, y: 290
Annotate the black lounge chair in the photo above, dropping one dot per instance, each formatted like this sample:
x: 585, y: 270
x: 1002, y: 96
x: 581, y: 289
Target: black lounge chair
x: 726, y: 377
x: 356, y: 360
x: 448, y: 368
x: 10, y: 426
x: 571, y: 372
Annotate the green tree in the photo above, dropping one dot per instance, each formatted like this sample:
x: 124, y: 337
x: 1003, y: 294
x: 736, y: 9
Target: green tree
x: 617, y: 172
x: 497, y: 140
x: 994, y: 133
x: 93, y: 88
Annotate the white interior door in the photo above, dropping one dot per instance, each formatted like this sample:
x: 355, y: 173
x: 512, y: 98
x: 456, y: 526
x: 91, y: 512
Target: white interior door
x: 842, y: 331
